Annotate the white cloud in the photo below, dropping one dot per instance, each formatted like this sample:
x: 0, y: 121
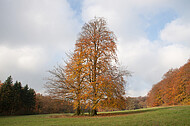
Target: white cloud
x: 25, y: 58
x: 34, y: 36
x: 46, y: 23
x: 136, y: 93
x: 173, y: 56
x: 176, y: 32
x: 25, y: 64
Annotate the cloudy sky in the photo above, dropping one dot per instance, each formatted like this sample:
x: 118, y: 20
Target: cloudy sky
x: 153, y: 36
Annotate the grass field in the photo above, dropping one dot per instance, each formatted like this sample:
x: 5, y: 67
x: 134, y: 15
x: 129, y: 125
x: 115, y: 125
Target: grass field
x: 161, y: 116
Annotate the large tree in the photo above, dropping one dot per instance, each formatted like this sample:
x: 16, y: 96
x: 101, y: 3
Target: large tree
x: 92, y: 74
x: 105, y: 80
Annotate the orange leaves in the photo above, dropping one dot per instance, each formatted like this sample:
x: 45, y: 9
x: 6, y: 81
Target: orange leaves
x: 173, y: 89
x: 99, y: 47
x: 89, y: 75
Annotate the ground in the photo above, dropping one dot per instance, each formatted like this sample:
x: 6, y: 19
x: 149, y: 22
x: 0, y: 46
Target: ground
x: 160, y: 116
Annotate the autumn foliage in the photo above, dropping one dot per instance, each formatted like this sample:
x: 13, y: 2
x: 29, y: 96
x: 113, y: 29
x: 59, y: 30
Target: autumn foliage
x: 91, y: 77
x: 47, y: 105
x: 174, y: 89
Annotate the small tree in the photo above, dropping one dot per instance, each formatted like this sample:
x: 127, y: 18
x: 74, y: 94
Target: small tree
x: 68, y: 82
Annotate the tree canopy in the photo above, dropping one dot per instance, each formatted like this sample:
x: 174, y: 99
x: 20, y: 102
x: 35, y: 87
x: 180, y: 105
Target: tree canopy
x: 92, y: 75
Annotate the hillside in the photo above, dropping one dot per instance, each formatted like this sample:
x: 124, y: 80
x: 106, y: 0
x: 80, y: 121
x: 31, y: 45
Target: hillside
x: 173, y: 89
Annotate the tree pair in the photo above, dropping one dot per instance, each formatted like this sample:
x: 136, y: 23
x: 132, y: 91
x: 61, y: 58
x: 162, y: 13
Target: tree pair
x: 91, y: 76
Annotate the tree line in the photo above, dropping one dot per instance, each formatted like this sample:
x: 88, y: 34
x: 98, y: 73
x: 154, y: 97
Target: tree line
x: 91, y: 77
x: 15, y: 99
x: 173, y: 89
x: 133, y: 103
x: 18, y: 100
x: 47, y: 105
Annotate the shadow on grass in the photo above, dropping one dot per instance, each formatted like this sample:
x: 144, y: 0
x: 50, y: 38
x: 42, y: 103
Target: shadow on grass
x: 127, y: 112
x: 111, y: 113
x: 100, y: 114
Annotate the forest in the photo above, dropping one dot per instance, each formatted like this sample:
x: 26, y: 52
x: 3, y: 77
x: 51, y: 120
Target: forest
x: 15, y: 99
x: 173, y: 89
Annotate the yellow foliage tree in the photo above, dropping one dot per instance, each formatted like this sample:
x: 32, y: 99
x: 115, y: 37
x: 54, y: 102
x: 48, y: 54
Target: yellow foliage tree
x: 92, y: 75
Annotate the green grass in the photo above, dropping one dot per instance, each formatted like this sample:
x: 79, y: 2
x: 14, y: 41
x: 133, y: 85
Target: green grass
x: 161, y: 116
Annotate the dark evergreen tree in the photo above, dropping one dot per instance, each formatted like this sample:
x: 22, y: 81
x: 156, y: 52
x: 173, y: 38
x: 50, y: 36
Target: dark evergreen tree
x: 14, y: 99
x: 6, y: 94
x: 28, y: 99
x: 17, y: 97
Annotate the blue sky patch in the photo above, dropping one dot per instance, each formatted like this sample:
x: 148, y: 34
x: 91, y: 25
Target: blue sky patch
x: 155, y: 23
x: 76, y: 6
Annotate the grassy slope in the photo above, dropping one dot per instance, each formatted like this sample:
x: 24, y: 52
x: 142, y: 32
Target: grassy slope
x: 170, y: 116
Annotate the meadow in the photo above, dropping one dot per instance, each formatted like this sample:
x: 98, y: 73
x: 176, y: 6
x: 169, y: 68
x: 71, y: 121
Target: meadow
x: 158, y: 116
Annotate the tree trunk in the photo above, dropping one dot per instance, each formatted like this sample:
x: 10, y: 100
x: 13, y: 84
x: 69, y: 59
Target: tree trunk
x: 78, y: 111
x: 93, y: 112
